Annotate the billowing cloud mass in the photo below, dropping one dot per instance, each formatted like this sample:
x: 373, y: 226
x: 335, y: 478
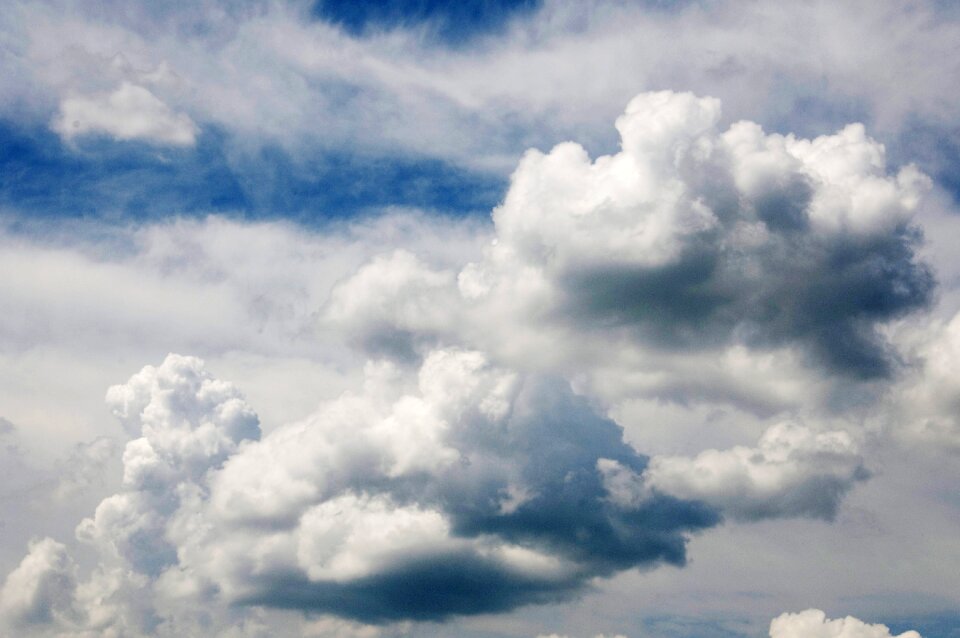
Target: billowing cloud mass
x: 473, y: 491
x: 40, y: 591
x: 696, y: 238
x: 186, y: 424
x: 813, y: 623
x: 475, y: 468
x: 130, y: 112
x: 924, y: 406
x: 793, y: 471
x: 467, y: 489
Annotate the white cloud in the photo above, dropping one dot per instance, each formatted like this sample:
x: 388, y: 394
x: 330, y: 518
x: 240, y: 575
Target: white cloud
x: 793, y: 471
x: 813, y: 623
x: 129, y: 113
x: 385, y: 505
x: 41, y: 590
x: 394, y: 304
x: 923, y: 407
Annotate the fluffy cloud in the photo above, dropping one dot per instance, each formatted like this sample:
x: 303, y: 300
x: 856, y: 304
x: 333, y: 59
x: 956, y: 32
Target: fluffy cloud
x: 187, y: 423
x: 395, y: 305
x: 813, y: 623
x: 695, y: 238
x: 462, y: 488
x: 130, y: 112
x: 474, y: 490
x: 704, y: 265
x: 469, y: 489
x: 792, y: 471
x: 41, y: 590
x: 923, y: 407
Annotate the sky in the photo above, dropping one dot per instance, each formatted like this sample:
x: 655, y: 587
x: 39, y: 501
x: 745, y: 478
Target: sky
x: 480, y: 319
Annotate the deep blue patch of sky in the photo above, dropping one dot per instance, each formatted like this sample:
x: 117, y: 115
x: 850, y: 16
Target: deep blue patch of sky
x: 449, y: 22
x: 131, y: 181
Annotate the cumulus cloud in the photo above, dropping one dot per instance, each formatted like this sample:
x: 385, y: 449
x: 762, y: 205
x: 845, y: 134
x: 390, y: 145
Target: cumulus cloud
x: 474, y: 490
x: 131, y: 112
x: 698, y: 264
x: 696, y: 238
x: 458, y: 488
x: 793, y: 471
x: 813, y: 623
x: 923, y: 407
x: 468, y: 489
x: 187, y: 423
x: 394, y: 305
x: 41, y: 590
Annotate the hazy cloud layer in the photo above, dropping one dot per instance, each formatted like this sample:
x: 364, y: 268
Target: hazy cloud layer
x: 274, y: 72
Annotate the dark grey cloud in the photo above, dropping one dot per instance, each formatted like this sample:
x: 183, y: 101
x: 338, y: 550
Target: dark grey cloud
x: 829, y: 296
x: 425, y: 590
x: 553, y: 440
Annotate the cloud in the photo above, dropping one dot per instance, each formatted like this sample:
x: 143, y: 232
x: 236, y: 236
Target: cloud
x: 473, y: 491
x: 466, y: 489
x: 726, y: 276
x: 813, y: 623
x: 793, y: 471
x: 394, y: 305
x: 186, y: 423
x: 131, y: 112
x: 693, y: 238
x: 457, y: 488
x: 85, y: 467
x: 306, y: 83
x: 922, y: 408
x: 466, y: 477
x: 41, y: 590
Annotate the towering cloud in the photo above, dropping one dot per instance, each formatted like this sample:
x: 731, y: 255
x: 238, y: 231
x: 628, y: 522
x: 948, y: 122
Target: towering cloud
x: 695, y: 238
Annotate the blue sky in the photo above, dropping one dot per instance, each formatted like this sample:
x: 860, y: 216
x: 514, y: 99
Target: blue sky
x: 538, y: 319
